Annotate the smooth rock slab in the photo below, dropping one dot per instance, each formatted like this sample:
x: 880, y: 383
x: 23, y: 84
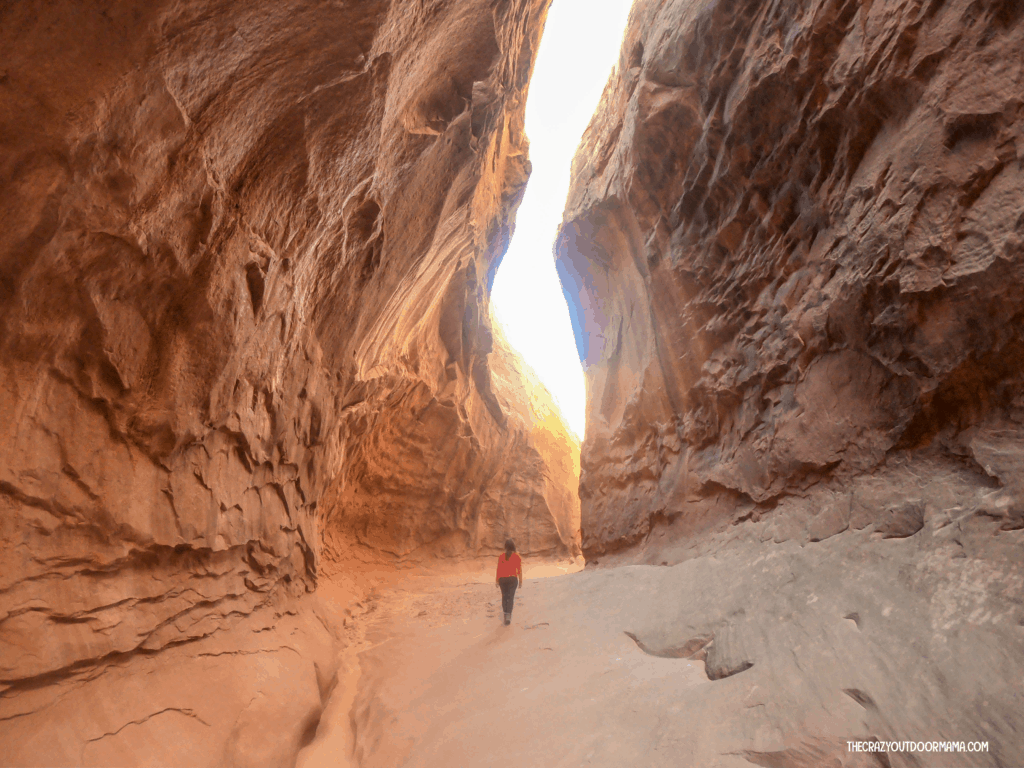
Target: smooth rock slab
x: 763, y: 654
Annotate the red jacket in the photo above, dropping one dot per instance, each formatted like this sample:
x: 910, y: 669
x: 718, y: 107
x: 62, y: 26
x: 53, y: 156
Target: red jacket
x: 511, y: 567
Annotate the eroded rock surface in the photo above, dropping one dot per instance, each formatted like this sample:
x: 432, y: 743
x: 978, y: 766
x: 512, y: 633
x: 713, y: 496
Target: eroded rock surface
x: 794, y: 248
x: 423, y: 482
x: 246, y: 259
x: 771, y: 655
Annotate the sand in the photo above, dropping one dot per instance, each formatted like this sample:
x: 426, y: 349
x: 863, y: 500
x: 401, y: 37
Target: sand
x: 772, y: 656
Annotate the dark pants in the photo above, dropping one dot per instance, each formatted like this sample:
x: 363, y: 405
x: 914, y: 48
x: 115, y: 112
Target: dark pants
x: 508, y: 586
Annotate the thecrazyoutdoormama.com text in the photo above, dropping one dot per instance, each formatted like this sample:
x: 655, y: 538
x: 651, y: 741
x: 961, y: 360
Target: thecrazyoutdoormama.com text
x: 917, y: 746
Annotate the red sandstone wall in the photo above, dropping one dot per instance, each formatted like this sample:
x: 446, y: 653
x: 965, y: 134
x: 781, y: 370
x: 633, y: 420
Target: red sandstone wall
x: 245, y: 260
x: 795, y: 246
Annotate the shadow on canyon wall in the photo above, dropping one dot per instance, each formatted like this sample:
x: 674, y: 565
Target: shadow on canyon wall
x: 244, y: 332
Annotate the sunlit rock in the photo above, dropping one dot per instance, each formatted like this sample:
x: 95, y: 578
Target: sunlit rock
x: 244, y: 276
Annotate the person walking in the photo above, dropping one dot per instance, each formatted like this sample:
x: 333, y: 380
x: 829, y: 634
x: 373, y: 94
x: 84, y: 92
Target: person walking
x: 508, y: 577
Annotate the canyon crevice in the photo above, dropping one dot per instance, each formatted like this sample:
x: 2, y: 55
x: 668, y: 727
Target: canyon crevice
x: 246, y: 346
x: 244, y: 281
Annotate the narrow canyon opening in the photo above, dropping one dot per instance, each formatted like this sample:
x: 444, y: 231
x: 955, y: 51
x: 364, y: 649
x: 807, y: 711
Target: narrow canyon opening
x: 578, y: 50
x: 261, y: 443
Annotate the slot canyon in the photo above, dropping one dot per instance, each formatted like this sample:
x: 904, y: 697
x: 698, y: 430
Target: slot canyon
x: 262, y: 441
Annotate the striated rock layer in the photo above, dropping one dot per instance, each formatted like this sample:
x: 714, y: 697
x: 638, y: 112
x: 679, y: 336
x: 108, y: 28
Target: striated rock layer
x: 244, y: 277
x: 430, y: 477
x: 794, y: 249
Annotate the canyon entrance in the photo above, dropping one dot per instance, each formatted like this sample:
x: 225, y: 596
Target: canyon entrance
x: 261, y: 440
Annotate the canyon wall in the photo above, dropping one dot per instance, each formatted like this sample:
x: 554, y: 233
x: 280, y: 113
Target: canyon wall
x: 244, y: 281
x: 793, y: 249
x: 794, y: 252
x: 425, y: 483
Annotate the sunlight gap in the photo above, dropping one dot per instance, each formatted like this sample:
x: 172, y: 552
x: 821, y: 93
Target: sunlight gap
x: 579, y: 48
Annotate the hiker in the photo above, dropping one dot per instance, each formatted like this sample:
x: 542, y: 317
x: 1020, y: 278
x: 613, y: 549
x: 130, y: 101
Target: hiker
x: 508, y: 577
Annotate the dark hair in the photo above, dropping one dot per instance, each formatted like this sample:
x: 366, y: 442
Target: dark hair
x: 510, y: 547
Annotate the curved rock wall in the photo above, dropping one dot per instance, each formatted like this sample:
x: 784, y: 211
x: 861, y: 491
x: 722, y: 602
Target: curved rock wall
x: 793, y: 246
x: 431, y: 473
x: 246, y: 261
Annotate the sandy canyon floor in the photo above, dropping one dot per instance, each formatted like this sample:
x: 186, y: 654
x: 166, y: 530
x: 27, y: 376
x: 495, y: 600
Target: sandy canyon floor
x: 726, y: 660
x: 441, y: 681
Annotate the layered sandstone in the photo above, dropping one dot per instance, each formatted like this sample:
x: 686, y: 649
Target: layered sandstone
x: 793, y: 246
x: 793, y: 249
x: 244, y: 281
x: 431, y: 478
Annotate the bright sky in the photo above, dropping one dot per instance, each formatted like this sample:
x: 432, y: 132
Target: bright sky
x: 579, y: 48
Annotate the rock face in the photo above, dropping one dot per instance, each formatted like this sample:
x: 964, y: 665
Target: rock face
x: 793, y: 246
x: 794, y: 249
x: 244, y: 275
x: 548, y: 456
x: 429, y: 477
